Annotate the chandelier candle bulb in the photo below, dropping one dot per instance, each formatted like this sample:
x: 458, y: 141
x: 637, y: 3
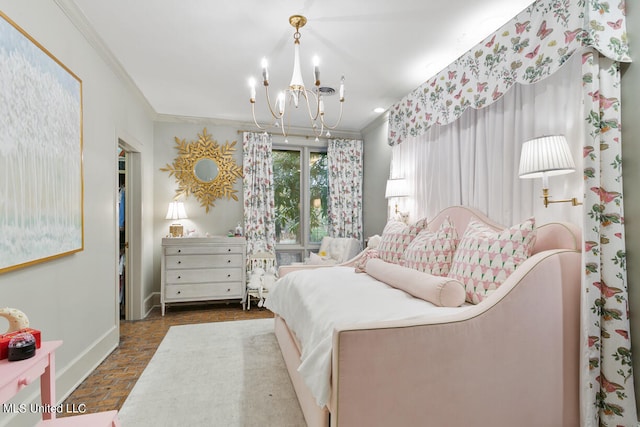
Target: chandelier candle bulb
x: 281, y: 103
x: 265, y: 72
x: 252, y: 85
x: 342, y: 89
x: 316, y: 70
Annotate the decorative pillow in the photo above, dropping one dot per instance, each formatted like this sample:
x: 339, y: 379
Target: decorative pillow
x: 441, y: 291
x: 485, y: 257
x: 432, y: 252
x: 395, y: 238
x: 315, y: 259
x: 361, y: 263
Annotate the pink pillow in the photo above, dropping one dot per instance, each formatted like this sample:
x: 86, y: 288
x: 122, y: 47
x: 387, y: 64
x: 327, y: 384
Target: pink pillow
x: 485, y: 257
x: 432, y: 252
x: 361, y: 263
x: 395, y: 238
x: 441, y: 291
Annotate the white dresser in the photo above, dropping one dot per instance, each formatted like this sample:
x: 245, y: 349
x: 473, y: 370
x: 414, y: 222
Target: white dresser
x: 203, y: 269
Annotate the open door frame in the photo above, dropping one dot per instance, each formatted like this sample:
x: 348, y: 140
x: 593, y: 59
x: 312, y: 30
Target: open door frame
x: 134, y: 303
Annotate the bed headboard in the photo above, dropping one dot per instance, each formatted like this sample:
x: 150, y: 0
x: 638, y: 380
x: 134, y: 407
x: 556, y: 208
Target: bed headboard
x: 553, y: 235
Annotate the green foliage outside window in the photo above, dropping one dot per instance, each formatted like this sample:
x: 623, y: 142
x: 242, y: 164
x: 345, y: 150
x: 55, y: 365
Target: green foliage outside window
x: 287, y: 178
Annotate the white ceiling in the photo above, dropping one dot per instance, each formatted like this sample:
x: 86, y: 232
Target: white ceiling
x: 193, y: 58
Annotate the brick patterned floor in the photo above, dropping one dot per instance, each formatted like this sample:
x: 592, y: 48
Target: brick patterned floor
x: 108, y: 386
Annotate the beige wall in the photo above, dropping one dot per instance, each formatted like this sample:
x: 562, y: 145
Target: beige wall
x: 73, y: 298
x: 631, y: 176
x: 377, y: 159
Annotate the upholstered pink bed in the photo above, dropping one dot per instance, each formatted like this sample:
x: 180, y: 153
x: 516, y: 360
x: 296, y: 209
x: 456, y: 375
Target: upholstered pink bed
x: 510, y: 359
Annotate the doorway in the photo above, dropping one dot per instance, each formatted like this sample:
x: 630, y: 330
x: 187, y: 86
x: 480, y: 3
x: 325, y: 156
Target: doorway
x: 122, y: 234
x: 129, y: 232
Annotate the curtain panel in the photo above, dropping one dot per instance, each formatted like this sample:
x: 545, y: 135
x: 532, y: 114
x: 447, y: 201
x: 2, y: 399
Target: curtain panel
x: 530, y: 47
x: 609, y: 396
x: 345, y: 169
x: 257, y: 185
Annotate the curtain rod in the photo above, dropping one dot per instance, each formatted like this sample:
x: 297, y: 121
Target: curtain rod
x: 293, y: 134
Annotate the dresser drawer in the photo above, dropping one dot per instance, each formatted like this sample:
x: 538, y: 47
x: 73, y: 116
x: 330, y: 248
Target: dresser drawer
x: 203, y: 291
x: 204, y: 275
x: 203, y: 261
x: 197, y: 250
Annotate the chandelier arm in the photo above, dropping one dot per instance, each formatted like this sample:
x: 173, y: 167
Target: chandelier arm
x: 253, y: 113
x: 284, y: 132
x: 275, y: 116
x: 312, y: 116
x: 337, y: 123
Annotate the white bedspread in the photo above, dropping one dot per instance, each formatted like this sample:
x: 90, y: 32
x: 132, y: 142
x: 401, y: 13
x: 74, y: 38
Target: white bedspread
x: 313, y: 302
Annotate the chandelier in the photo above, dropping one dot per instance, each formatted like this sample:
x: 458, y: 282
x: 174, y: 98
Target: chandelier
x: 297, y: 94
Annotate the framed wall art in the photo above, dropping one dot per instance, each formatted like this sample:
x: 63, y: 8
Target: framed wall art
x: 41, y: 176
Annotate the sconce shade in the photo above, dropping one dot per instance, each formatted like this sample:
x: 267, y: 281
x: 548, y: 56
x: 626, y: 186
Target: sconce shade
x: 547, y: 155
x: 176, y: 211
x: 396, y: 187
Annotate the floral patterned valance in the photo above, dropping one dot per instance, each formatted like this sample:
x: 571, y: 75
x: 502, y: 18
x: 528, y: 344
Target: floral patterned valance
x: 528, y: 48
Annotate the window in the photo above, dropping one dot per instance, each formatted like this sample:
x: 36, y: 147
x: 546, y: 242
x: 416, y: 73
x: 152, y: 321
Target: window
x: 301, y: 189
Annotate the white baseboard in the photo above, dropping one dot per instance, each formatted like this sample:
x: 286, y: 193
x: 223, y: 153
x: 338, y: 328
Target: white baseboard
x: 150, y: 302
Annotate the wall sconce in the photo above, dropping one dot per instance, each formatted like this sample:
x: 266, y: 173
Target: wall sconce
x: 176, y: 211
x: 396, y: 187
x: 544, y: 157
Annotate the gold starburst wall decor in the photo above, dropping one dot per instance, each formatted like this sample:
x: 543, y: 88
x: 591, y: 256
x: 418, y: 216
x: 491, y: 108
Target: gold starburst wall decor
x: 205, y: 169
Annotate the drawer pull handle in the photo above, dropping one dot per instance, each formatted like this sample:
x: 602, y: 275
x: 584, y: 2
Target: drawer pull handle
x: 179, y: 262
x: 23, y: 382
x: 229, y: 290
x: 179, y: 277
x: 179, y: 292
x: 228, y: 275
x: 179, y: 250
x: 229, y: 250
x: 228, y: 261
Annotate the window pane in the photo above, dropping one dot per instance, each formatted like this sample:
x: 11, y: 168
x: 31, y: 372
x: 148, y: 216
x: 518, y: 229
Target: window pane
x: 286, y: 174
x: 318, y: 196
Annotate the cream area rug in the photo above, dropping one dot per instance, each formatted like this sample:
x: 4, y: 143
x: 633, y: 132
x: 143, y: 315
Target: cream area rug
x: 215, y: 374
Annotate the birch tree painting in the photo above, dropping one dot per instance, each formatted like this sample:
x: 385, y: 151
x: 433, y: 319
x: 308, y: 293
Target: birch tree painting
x: 41, y: 213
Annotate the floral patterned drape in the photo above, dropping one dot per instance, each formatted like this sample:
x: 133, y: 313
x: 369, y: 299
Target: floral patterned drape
x: 609, y: 398
x: 530, y: 47
x: 259, y: 206
x: 344, y: 163
x: 527, y: 49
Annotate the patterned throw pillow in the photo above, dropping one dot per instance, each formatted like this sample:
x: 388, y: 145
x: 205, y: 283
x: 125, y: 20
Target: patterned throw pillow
x: 432, y: 252
x: 484, y: 257
x: 395, y: 238
x: 361, y: 264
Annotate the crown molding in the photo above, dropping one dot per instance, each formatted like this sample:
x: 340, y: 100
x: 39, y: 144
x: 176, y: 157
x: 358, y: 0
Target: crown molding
x: 250, y: 126
x: 77, y: 18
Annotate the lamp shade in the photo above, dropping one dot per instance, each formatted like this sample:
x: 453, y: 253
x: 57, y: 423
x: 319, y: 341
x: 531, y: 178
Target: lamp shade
x: 546, y: 155
x: 396, y: 187
x: 176, y: 211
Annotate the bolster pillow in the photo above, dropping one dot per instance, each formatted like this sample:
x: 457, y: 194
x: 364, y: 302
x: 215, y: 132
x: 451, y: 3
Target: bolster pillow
x: 441, y: 291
